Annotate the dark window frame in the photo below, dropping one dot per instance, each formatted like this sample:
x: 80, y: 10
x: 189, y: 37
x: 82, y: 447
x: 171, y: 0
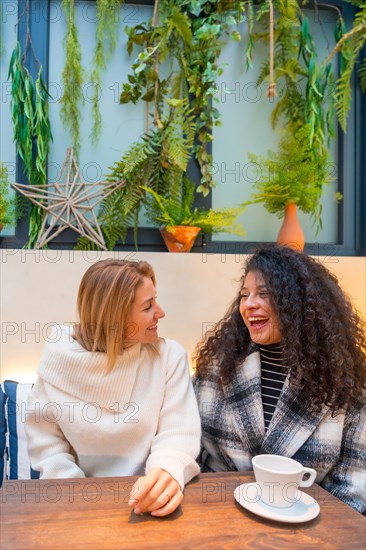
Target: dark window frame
x: 351, y: 169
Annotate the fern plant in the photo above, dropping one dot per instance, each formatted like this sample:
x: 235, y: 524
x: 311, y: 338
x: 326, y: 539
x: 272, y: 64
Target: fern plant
x: 190, y: 35
x: 306, y: 84
x: 292, y: 175
x: 178, y: 210
x: 158, y: 161
x: 349, y: 44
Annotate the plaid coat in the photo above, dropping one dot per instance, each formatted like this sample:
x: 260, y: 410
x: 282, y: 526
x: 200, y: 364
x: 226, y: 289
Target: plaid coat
x: 233, y: 432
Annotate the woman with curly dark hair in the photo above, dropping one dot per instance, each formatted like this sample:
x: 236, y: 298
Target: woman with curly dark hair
x: 284, y: 372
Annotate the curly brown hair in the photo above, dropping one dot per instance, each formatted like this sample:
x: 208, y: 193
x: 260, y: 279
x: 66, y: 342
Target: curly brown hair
x: 323, y: 337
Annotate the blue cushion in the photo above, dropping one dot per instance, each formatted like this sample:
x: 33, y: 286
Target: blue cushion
x: 3, y: 431
x: 15, y: 413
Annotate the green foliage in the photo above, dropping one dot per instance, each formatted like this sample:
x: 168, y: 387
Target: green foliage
x: 72, y: 78
x: 84, y: 243
x: 292, y: 175
x: 296, y: 63
x: 7, y: 201
x: 178, y: 210
x: 293, y: 40
x: 288, y: 70
x: 349, y: 44
x: 158, y: 160
x: 107, y: 14
x: 190, y: 34
x: 157, y: 163
x: 318, y: 112
x: 32, y: 130
x: 363, y: 75
x: 298, y: 171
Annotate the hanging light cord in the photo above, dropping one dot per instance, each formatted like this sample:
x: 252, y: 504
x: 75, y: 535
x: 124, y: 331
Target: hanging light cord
x: 271, y: 92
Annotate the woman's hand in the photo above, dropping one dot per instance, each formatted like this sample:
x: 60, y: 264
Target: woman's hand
x: 157, y: 492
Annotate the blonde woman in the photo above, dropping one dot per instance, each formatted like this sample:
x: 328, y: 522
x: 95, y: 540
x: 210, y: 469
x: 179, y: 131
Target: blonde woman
x: 114, y: 399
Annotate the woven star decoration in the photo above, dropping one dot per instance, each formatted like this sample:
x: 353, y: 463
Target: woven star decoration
x: 69, y: 202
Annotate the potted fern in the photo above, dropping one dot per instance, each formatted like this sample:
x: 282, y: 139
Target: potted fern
x: 291, y: 178
x: 180, y: 223
x: 295, y: 176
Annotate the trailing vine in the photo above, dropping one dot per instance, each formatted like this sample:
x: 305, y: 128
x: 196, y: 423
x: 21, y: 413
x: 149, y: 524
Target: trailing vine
x: 107, y: 14
x: 32, y: 130
x: 73, y: 74
x: 349, y: 45
x: 72, y: 78
x: 189, y: 34
x: 303, y: 110
x: 291, y: 24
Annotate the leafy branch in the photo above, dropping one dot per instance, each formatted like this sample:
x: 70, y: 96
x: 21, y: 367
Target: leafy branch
x: 350, y: 44
x: 72, y: 77
x: 107, y: 12
x: 32, y: 130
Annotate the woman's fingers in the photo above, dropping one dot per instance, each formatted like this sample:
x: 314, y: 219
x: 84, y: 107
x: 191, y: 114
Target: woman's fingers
x: 148, y: 488
x: 157, y: 490
x: 142, y: 487
x: 170, y: 506
x: 158, y: 496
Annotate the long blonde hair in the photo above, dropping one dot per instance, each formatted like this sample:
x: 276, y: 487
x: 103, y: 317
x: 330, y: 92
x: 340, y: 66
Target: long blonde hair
x: 106, y: 294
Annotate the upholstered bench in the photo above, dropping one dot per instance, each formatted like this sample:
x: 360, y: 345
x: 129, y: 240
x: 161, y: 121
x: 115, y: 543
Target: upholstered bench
x: 14, y: 458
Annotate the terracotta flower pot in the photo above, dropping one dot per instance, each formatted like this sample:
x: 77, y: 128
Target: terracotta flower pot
x: 180, y: 238
x: 291, y: 234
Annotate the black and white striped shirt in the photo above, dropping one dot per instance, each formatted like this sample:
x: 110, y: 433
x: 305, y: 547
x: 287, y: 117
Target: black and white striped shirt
x: 273, y: 376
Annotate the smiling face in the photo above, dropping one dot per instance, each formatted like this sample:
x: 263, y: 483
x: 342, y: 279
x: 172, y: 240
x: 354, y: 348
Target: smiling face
x: 142, y: 321
x: 257, y: 312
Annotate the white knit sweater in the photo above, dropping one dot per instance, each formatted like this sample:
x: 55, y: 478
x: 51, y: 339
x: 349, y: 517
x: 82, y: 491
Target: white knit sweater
x: 83, y: 421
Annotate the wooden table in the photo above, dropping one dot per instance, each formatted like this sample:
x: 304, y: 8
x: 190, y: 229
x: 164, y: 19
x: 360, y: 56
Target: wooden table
x: 93, y: 513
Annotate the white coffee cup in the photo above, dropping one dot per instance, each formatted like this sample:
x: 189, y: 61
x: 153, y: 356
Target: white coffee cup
x: 278, y: 479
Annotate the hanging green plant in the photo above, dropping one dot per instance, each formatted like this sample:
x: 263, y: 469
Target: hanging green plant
x: 190, y: 35
x: 72, y: 78
x: 107, y: 15
x: 294, y: 41
x: 32, y: 129
x: 178, y: 209
x: 349, y: 45
x: 303, y: 110
x: 295, y: 64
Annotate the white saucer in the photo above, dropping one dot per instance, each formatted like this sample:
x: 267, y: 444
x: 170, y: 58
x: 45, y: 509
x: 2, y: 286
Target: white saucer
x: 305, y: 509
